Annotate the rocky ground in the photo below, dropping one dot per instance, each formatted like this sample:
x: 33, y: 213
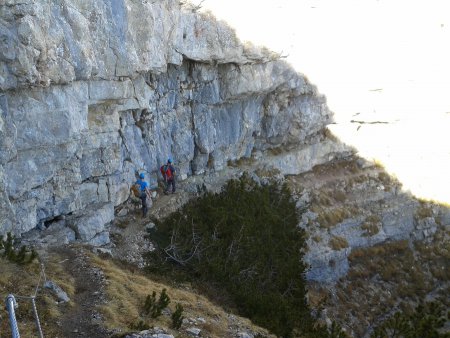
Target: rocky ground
x: 83, y: 318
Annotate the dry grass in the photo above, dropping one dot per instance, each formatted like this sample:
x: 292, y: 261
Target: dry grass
x: 276, y: 151
x: 126, y: 292
x: 393, y: 262
x: 322, y: 199
x: 316, y: 238
x: 241, y: 162
x: 329, y: 198
x: 340, y: 166
x: 329, y: 134
x: 355, y: 180
x: 339, y: 196
x: 317, y: 295
x: 436, y: 256
x: 383, y: 276
x: 338, y: 243
x: 423, y: 211
x: 371, y: 225
x: 385, y: 178
x: 21, y: 280
x: 267, y: 172
x: 378, y: 164
x: 330, y: 218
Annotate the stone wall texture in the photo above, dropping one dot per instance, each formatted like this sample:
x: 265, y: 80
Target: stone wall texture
x: 92, y: 91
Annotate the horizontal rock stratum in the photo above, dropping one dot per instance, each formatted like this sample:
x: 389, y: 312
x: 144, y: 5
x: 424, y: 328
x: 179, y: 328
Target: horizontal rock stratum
x: 94, y: 91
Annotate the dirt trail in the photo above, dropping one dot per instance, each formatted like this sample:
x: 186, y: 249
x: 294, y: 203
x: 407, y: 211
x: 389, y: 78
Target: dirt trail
x: 82, y: 319
x: 128, y: 233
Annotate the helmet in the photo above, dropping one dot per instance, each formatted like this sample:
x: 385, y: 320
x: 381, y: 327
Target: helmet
x: 141, y: 175
x: 169, y: 160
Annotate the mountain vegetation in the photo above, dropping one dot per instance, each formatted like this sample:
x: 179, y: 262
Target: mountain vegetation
x: 245, y: 240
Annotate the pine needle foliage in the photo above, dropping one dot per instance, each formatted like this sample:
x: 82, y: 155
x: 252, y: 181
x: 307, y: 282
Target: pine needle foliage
x: 154, y: 307
x: 246, y: 240
x: 177, y: 316
x: 20, y: 256
x: 426, y: 321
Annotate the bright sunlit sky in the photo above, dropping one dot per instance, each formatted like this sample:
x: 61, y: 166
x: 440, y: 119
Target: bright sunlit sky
x: 375, y: 60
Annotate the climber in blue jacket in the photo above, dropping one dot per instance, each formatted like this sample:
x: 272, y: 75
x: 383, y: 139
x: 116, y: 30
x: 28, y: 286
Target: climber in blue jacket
x: 144, y: 190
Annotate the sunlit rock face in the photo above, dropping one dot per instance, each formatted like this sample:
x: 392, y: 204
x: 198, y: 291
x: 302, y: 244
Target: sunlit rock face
x: 94, y: 91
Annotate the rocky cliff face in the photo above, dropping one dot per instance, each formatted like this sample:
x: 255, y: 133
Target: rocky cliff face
x: 93, y: 91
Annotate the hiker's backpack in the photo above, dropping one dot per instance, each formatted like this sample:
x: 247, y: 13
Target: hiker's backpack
x: 166, y: 171
x: 135, y: 188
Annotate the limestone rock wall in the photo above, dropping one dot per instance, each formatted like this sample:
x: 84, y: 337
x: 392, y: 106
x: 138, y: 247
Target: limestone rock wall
x: 93, y: 91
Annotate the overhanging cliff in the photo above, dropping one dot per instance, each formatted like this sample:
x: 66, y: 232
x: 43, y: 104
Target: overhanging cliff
x: 93, y: 91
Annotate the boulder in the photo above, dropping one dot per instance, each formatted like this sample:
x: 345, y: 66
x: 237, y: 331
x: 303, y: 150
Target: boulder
x: 60, y: 293
x: 89, y: 226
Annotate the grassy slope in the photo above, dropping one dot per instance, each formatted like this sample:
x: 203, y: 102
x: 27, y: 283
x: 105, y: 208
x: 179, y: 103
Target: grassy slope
x: 22, y: 280
x: 125, y: 292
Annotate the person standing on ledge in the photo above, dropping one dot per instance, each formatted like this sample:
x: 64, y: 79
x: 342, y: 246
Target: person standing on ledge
x: 144, y: 190
x: 168, y: 172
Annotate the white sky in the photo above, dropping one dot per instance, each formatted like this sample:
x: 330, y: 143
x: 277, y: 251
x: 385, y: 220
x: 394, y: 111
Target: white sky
x: 348, y: 48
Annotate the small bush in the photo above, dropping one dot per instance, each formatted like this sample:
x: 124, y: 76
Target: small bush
x: 385, y: 178
x: 328, y: 219
x: 245, y: 240
x: 317, y: 238
x: 322, y: 199
x: 425, y: 321
x: 423, y: 211
x: 139, y: 326
x: 371, y: 225
x: 154, y: 307
x: 21, y: 256
x: 339, y: 196
x: 338, y: 243
x: 177, y: 316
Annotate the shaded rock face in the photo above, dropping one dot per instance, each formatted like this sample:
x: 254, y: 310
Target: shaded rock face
x: 94, y: 91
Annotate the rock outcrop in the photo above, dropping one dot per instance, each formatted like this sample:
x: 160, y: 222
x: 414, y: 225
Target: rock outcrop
x: 94, y: 91
x: 352, y: 204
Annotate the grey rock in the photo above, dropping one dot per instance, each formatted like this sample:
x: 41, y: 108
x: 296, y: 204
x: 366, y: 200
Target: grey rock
x: 110, y: 90
x: 327, y: 265
x: 58, y: 235
x: 100, y: 239
x: 201, y: 320
x: 244, y: 335
x: 90, y: 226
x: 149, y: 226
x: 151, y: 333
x: 193, y: 331
x: 444, y: 215
x: 7, y: 214
x: 59, y: 293
x: 305, y: 158
x: 103, y: 251
x: 123, y: 212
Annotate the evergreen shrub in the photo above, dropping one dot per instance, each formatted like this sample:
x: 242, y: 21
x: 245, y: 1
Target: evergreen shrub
x: 245, y: 240
x: 23, y: 255
x: 427, y: 320
x: 154, y: 307
x: 177, y: 316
